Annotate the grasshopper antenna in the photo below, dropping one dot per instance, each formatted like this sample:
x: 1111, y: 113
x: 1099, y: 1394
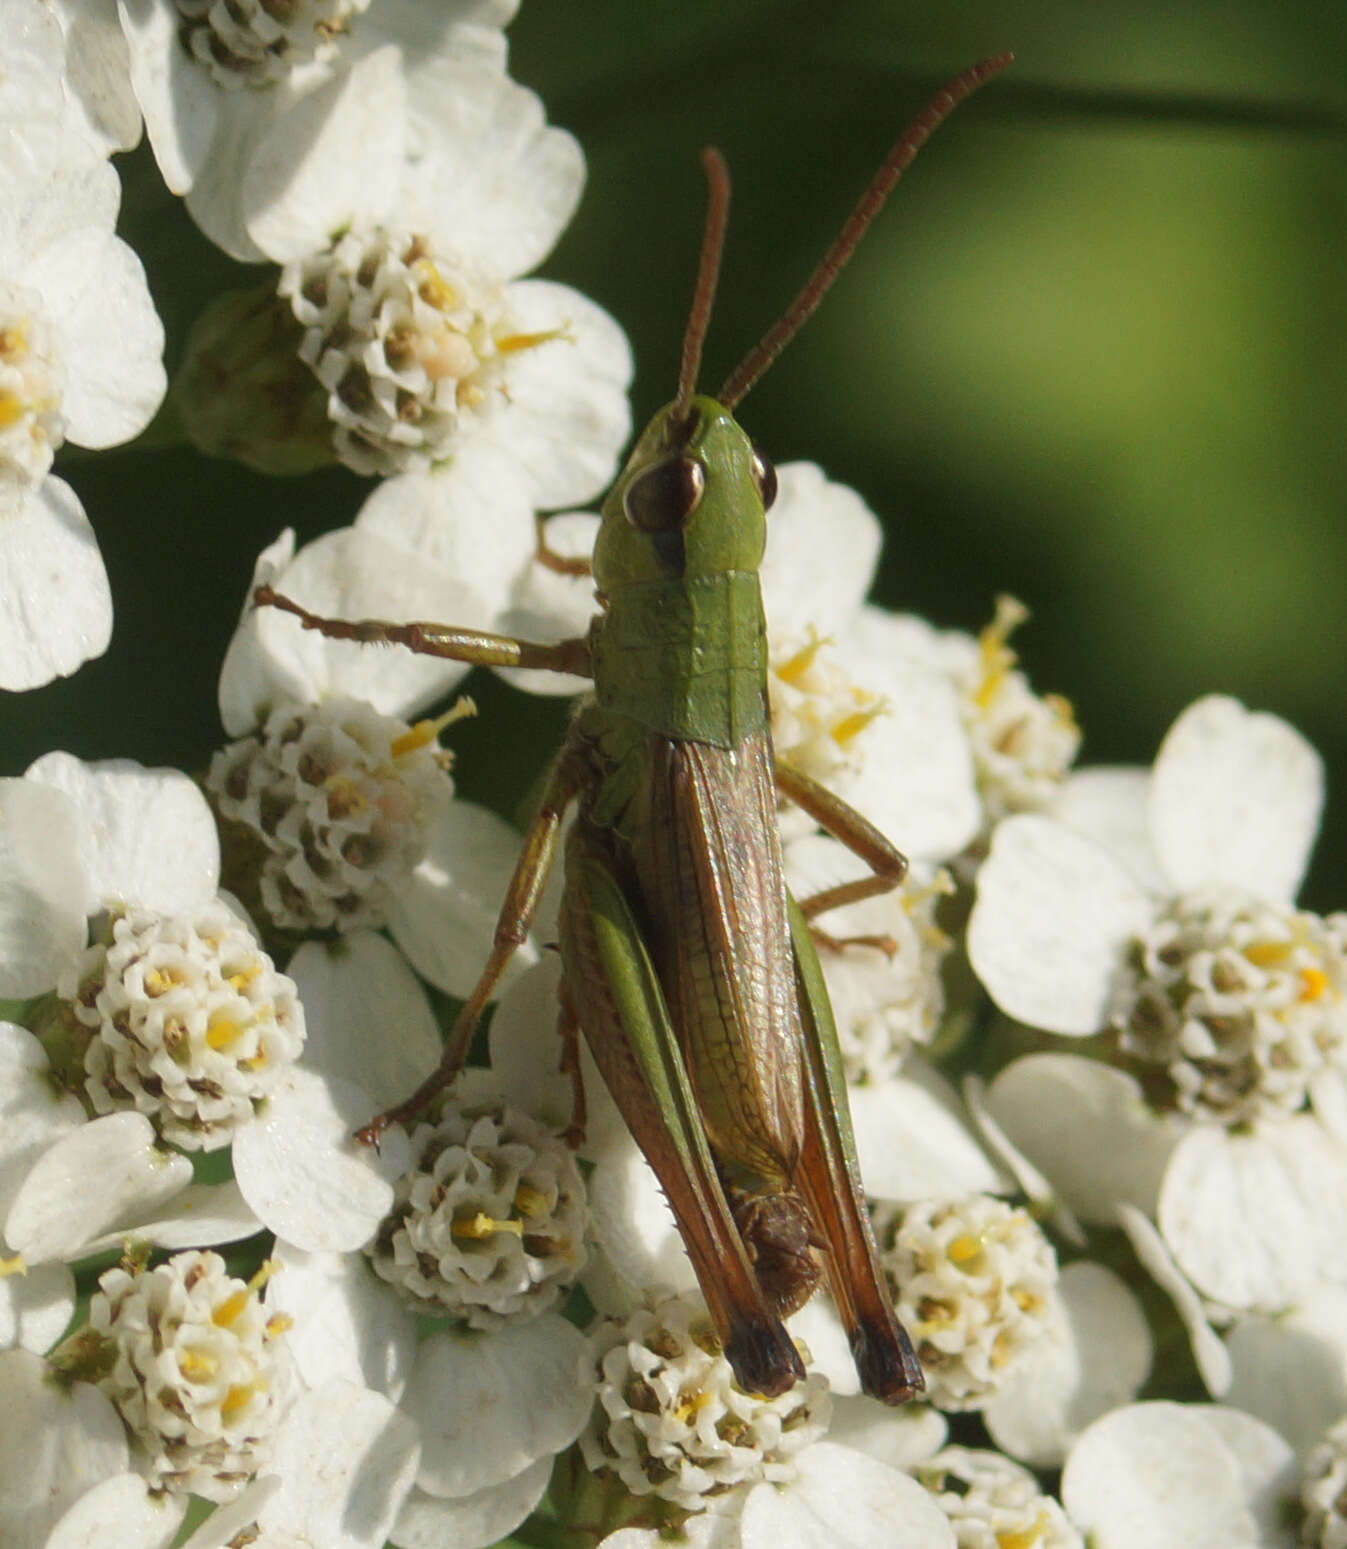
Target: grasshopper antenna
x: 899, y: 159
x: 708, y: 272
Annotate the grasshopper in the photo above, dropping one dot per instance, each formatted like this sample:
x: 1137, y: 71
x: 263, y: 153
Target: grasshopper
x: 687, y: 964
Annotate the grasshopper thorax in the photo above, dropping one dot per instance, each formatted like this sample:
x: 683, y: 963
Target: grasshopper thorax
x: 691, y: 502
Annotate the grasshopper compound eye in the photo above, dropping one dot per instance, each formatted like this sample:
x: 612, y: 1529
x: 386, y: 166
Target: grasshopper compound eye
x: 764, y: 476
x: 662, y: 497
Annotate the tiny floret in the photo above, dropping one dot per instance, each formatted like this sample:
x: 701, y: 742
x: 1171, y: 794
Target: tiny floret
x: 190, y: 1022
x: 407, y: 345
x: 192, y: 1371
x: 339, y: 796
x: 1230, y: 1006
x: 672, y: 1421
x: 490, y: 1223
x: 257, y: 43
x: 1323, y: 1492
x: 993, y: 1503
x: 977, y: 1289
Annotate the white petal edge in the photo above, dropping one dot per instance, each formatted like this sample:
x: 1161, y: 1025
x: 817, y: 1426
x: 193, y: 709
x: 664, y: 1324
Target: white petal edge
x: 472, y: 1521
x: 147, y: 835
x: 55, y: 602
x: 120, y: 1510
x: 1235, y: 800
x: 302, y: 1171
x: 522, y: 1392
x: 843, y: 1500
x: 1053, y: 916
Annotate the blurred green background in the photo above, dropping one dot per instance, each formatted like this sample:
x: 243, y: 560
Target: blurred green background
x: 1094, y: 353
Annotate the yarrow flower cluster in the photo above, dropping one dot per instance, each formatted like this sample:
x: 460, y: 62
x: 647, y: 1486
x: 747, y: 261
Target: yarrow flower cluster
x: 220, y: 1305
x: 191, y: 1023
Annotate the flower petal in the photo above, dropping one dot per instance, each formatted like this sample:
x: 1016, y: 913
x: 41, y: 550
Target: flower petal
x: 912, y: 1143
x: 1160, y: 1475
x: 55, y: 1443
x: 1291, y: 1370
x: 303, y: 1173
x: 1254, y: 1220
x: 843, y: 1500
x: 1053, y: 916
x: 347, y: 1322
x: 521, y: 1393
x: 120, y: 1510
x: 89, y: 1182
x: 1087, y: 1128
x: 471, y: 1521
x: 147, y: 835
x: 823, y: 544
x: 1235, y: 800
x: 366, y: 1016
x: 57, y: 606
x: 346, y: 1458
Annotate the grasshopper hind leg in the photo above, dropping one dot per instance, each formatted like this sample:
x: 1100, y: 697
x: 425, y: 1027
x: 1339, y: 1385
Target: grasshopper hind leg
x: 611, y: 982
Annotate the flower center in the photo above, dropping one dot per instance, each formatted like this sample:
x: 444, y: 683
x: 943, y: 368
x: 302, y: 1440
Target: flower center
x: 490, y: 1224
x: 671, y: 1421
x: 340, y: 796
x: 817, y: 711
x: 31, y: 425
x: 258, y: 42
x: 1234, y: 1005
x: 409, y: 348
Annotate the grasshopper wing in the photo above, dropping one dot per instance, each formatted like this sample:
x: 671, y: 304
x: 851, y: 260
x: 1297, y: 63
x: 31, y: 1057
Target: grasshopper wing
x: 829, y: 1179
x: 612, y: 985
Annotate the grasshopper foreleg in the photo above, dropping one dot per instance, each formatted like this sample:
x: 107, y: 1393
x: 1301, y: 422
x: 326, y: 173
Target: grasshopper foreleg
x: 512, y: 927
x: 475, y: 646
x: 888, y: 865
x: 551, y: 559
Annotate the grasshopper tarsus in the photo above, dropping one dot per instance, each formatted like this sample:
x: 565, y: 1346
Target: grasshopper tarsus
x: 763, y: 1358
x: 889, y: 1370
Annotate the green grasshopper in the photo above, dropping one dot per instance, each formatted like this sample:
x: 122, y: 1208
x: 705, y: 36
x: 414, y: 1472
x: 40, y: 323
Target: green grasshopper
x: 689, y: 967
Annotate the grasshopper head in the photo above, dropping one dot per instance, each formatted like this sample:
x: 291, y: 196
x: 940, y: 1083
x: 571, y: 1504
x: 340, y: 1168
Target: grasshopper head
x: 691, y: 501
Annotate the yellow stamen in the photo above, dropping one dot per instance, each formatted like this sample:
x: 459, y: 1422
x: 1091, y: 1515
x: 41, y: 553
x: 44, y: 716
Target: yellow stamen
x: 224, y: 1031
x: 481, y: 1226
x: 530, y: 1202
x: 279, y: 1323
x: 852, y: 725
x: 512, y: 343
x: 1026, y: 1538
x: 690, y: 1405
x: 425, y: 732
x: 964, y: 1249
x: 12, y: 410
x: 1267, y: 954
x: 239, y: 1397
x: 432, y: 287
x: 794, y: 667
x: 1313, y: 983
x: 197, y: 1367
x: 18, y: 1265
x: 13, y: 339
x: 998, y: 660
x: 241, y: 978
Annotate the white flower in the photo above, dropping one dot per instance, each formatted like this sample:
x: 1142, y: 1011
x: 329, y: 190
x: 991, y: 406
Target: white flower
x: 191, y: 1370
x: 1180, y: 1476
x: 490, y: 1223
x: 976, y: 1285
x: 1225, y: 1007
x: 173, y: 1008
x: 674, y: 1427
x: 80, y: 357
x: 98, y: 72
x: 993, y: 1502
x: 354, y: 805
x: 192, y: 1023
x: 235, y: 96
x: 341, y: 797
x: 55, y: 1444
